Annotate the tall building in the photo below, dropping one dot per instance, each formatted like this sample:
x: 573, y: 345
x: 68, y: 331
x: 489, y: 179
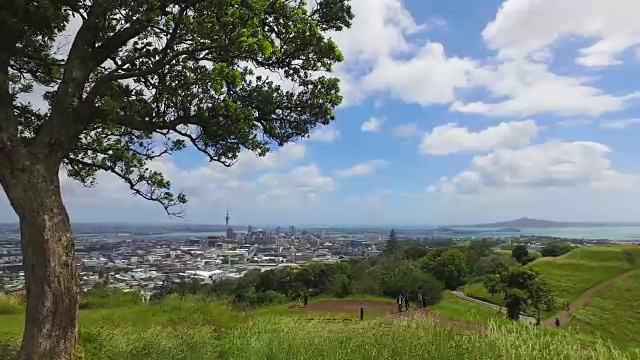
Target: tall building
x: 292, y: 230
x: 249, y: 229
x: 278, y: 230
x: 229, y: 229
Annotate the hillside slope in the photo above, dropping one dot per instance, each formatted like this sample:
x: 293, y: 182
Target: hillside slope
x: 574, y: 273
x: 613, y: 313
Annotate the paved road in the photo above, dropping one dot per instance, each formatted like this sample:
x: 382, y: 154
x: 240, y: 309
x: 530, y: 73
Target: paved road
x: 523, y: 318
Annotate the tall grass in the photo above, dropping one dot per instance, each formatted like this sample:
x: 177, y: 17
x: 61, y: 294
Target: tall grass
x: 10, y: 305
x: 291, y: 338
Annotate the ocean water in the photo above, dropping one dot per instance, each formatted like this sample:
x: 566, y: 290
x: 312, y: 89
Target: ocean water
x: 615, y: 233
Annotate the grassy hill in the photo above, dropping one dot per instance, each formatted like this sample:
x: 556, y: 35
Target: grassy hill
x: 613, y: 312
x: 574, y: 273
x: 192, y: 328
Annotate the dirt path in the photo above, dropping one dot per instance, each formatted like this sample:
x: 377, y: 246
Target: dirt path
x: 350, y: 306
x: 565, y: 316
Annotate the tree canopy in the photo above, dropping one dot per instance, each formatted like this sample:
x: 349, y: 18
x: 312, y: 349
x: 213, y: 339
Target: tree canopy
x: 145, y: 78
x: 141, y: 79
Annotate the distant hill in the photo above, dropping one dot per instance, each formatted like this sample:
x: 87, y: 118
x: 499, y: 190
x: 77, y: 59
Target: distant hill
x: 527, y: 223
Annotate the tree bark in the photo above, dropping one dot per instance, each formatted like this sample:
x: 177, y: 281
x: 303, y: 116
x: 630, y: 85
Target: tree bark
x: 33, y: 189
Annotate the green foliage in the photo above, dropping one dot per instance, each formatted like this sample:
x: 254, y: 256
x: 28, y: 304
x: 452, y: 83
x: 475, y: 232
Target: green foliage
x: 392, y: 246
x: 556, y: 248
x: 524, y: 288
x: 520, y: 253
x: 493, y: 264
x: 400, y: 276
x: 515, y: 301
x: 449, y: 265
x: 142, y: 70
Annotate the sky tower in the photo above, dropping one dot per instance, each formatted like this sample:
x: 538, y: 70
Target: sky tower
x: 230, y: 234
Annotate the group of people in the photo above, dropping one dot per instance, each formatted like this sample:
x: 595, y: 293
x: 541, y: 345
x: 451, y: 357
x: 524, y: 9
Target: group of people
x: 403, y: 301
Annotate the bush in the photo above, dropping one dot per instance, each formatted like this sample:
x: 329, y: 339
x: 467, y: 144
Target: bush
x: 556, y: 248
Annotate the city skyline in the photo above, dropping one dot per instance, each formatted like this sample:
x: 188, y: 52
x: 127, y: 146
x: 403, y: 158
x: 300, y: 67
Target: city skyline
x: 458, y: 113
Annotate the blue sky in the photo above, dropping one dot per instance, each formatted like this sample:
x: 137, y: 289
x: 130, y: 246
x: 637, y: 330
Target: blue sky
x: 455, y: 112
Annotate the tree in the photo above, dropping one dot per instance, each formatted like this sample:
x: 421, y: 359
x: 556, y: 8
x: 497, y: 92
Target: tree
x: 556, y: 248
x: 515, y: 301
x: 493, y: 264
x: 520, y: 253
x: 392, y: 246
x: 524, y: 287
x: 143, y: 79
x: 448, y: 265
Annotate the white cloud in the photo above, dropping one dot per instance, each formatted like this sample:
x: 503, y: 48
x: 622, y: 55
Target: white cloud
x: 619, y: 124
x: 429, y: 77
x: 575, y: 122
x: 364, y: 168
x: 374, y: 200
x: 307, y: 179
x: 548, y: 165
x: 406, y: 130
x: 209, y: 187
x: 451, y: 138
x: 324, y: 134
x: 522, y: 27
x: 528, y: 88
x: 386, y: 21
x: 372, y: 125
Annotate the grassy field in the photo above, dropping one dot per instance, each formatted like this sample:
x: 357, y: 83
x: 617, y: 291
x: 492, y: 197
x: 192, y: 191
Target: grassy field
x: 572, y: 274
x: 613, y: 313
x: 193, y: 328
x: 289, y: 338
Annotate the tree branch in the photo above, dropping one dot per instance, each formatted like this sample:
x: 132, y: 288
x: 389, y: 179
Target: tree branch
x: 152, y: 193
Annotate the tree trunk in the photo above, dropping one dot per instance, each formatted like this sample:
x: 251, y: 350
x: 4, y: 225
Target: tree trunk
x: 33, y: 188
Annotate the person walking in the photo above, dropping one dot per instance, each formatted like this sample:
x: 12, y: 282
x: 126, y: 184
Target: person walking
x: 399, y: 302
x: 557, y: 322
x: 306, y: 299
x: 420, y: 299
x: 406, y: 300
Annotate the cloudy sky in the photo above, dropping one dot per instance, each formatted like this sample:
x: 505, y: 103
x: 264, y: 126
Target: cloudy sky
x: 455, y: 112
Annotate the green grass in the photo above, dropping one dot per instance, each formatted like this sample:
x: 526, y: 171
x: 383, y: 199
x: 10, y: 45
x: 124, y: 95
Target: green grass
x: 10, y: 305
x: 186, y: 328
x: 193, y: 328
x: 478, y: 291
x: 572, y: 274
x: 613, y: 313
x: 290, y: 338
x: 453, y: 308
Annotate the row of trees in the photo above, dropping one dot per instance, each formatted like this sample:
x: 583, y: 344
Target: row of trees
x: 378, y: 276
x: 404, y: 265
